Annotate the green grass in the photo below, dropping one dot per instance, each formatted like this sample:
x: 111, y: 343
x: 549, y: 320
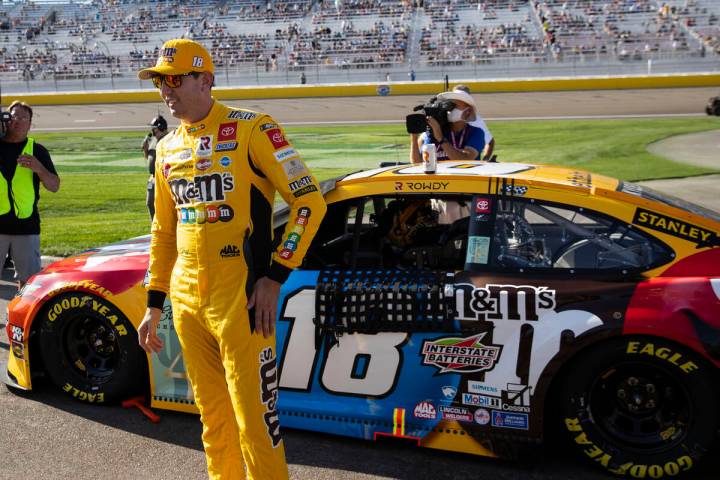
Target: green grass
x: 102, y: 194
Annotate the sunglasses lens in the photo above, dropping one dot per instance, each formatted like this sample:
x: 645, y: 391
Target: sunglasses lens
x: 173, y: 81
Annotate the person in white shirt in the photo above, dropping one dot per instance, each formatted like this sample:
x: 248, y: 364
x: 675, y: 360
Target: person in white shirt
x: 487, y: 153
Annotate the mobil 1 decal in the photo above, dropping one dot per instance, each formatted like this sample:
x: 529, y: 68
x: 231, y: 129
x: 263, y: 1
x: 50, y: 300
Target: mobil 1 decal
x: 514, y: 329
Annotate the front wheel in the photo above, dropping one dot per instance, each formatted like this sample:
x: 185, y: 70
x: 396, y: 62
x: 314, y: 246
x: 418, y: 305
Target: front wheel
x: 90, y: 349
x: 641, y: 407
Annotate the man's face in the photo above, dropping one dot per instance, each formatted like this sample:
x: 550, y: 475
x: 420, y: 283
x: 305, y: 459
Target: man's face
x: 183, y: 100
x: 467, y: 109
x: 19, y: 125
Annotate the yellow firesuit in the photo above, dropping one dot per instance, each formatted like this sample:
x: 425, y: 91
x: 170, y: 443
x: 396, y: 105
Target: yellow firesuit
x: 211, y: 239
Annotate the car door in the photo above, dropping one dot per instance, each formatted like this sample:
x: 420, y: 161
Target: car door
x: 353, y: 319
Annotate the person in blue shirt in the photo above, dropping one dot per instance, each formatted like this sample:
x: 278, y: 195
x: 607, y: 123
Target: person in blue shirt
x: 462, y: 141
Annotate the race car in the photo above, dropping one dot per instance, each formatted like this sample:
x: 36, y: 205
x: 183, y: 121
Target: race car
x: 475, y: 309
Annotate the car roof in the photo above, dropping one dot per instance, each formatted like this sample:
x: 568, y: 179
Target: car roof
x: 453, y: 177
x: 523, y: 173
x: 474, y: 170
x: 513, y: 178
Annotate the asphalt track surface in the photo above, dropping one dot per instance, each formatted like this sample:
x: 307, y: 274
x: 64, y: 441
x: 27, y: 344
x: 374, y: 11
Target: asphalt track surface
x: 492, y: 106
x: 45, y: 435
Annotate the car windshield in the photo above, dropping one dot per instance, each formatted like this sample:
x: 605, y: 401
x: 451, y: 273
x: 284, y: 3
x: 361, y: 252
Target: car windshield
x: 650, y: 194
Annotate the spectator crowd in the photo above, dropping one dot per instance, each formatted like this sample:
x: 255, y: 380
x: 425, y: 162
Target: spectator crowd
x: 116, y: 37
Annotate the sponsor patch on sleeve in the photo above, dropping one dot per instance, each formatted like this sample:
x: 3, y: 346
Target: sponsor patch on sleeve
x: 293, y: 168
x: 302, y: 216
x: 304, y: 191
x: 242, y: 115
x: 277, y: 138
x: 300, y: 182
x: 284, y: 154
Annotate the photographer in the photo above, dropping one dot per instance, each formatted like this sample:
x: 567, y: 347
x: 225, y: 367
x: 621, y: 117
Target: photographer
x: 24, y: 165
x: 447, y: 118
x: 159, y: 128
x: 487, y: 154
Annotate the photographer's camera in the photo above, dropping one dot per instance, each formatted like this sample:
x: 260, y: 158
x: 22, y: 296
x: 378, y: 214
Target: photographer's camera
x: 4, y: 122
x: 437, y: 109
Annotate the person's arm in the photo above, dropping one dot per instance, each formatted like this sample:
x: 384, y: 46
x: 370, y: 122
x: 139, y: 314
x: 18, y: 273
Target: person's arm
x: 163, y: 253
x: 286, y: 171
x: 146, y: 144
x: 147, y: 331
x: 487, y: 152
x: 466, y: 153
x: 489, y: 147
x: 49, y: 180
x: 151, y: 162
x: 41, y: 164
x: 415, y: 143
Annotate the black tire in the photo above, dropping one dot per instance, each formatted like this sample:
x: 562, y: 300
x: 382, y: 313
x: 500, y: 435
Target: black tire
x: 640, y: 407
x: 90, y: 349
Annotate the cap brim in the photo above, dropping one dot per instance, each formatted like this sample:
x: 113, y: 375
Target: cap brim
x: 148, y: 73
x: 466, y: 98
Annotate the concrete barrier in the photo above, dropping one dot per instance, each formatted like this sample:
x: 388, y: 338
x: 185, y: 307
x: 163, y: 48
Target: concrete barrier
x: 383, y: 89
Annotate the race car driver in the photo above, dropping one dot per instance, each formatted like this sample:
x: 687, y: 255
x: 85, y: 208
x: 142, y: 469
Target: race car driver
x: 211, y: 250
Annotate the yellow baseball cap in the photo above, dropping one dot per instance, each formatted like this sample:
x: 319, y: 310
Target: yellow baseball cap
x: 179, y: 56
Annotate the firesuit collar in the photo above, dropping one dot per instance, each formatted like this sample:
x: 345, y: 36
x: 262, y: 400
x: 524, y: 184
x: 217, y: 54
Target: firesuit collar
x: 201, y: 125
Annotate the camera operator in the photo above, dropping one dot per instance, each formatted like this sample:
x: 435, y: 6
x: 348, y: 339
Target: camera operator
x: 24, y: 165
x: 159, y: 128
x: 487, y: 154
x: 447, y: 118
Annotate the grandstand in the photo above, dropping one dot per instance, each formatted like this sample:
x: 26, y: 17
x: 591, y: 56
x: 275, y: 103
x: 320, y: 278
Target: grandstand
x: 60, y: 45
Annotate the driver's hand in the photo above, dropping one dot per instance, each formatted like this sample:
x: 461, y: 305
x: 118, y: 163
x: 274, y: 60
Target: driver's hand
x: 147, y: 331
x: 265, y: 298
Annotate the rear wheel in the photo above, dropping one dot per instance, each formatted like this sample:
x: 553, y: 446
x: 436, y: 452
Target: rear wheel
x: 90, y: 349
x: 641, y: 407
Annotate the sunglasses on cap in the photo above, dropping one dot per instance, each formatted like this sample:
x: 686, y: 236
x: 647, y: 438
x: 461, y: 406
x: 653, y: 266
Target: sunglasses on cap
x: 172, y: 81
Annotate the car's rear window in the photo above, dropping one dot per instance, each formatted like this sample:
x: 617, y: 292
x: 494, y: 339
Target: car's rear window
x: 650, y: 194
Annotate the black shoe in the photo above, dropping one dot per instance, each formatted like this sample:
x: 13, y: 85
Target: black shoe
x: 8, y: 263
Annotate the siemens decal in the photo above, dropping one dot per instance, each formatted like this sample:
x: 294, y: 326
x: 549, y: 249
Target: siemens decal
x: 202, y: 188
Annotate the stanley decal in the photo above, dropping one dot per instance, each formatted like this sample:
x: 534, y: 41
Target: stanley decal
x: 677, y: 228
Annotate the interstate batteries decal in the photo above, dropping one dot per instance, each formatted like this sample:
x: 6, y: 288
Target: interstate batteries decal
x: 463, y: 355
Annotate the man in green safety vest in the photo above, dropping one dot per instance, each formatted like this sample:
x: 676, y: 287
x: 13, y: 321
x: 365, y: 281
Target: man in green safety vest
x: 24, y: 164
